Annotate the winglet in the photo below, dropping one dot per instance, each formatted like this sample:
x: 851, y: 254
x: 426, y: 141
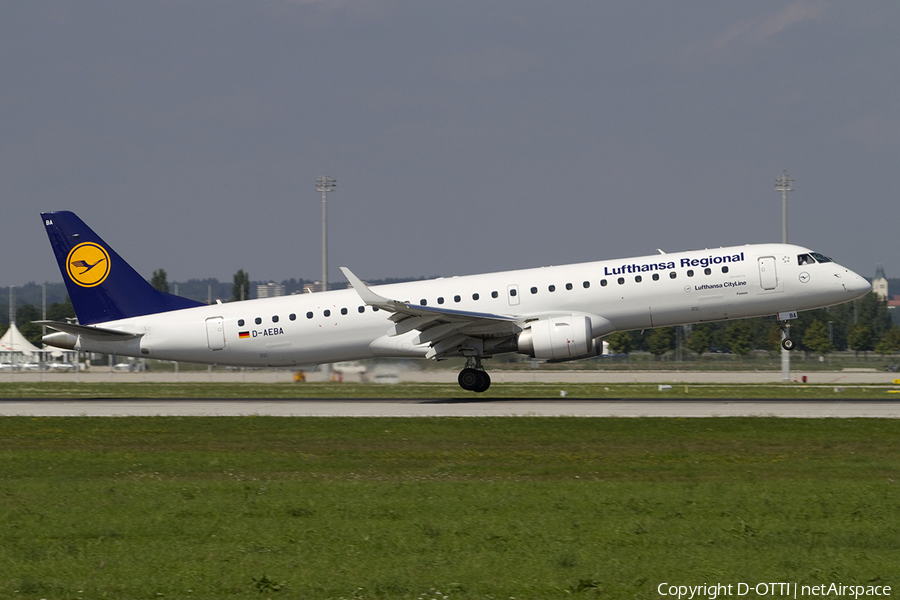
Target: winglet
x: 368, y: 296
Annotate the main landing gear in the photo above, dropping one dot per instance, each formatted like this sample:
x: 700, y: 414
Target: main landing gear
x: 474, y: 378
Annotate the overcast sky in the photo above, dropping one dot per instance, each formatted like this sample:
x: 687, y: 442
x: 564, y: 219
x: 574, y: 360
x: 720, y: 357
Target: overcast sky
x: 465, y: 136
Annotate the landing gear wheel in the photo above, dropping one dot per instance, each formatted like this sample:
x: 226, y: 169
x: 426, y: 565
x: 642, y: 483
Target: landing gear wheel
x: 469, y: 379
x: 485, y: 382
x: 787, y: 342
x: 473, y: 380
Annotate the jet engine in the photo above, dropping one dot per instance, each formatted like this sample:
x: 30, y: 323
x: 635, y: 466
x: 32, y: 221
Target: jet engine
x: 557, y: 338
x: 59, y: 339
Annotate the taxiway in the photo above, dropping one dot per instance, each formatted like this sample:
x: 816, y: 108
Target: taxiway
x: 450, y: 407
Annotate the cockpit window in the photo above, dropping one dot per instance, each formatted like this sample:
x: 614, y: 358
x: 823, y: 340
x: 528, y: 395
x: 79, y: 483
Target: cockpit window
x: 812, y: 258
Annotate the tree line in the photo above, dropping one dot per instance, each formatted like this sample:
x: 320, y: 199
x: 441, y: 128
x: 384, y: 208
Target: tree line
x: 860, y: 326
x: 25, y: 314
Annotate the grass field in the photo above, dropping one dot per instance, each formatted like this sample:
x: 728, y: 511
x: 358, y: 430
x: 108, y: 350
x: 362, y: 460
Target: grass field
x: 438, y: 390
x: 310, y: 508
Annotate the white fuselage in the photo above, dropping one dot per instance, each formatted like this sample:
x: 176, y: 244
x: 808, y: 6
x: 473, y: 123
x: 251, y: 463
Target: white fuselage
x: 633, y: 293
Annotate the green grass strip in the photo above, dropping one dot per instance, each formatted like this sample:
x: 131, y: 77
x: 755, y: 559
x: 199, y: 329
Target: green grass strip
x: 455, y: 508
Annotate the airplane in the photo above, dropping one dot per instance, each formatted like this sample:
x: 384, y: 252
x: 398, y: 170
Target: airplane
x: 555, y: 314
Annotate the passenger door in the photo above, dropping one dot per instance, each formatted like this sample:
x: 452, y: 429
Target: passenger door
x: 768, y: 278
x: 215, y: 333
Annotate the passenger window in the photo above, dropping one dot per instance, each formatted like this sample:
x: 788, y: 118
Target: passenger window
x: 240, y: 322
x: 513, y: 292
x: 475, y: 296
x: 568, y: 286
x: 656, y: 277
x: 707, y: 271
x: 621, y: 280
x: 292, y: 317
x: 638, y: 278
x: 375, y: 309
x: 327, y: 313
x: 361, y: 309
x: 602, y: 283
x: 309, y: 315
x: 423, y: 302
x: 586, y: 284
x: 275, y: 319
x: 456, y: 298
x: 725, y: 269
x: 440, y: 299
x: 258, y: 320
x: 673, y: 275
x: 534, y: 290
x: 495, y: 295
x: 343, y: 311
x: 690, y: 273
x: 552, y: 288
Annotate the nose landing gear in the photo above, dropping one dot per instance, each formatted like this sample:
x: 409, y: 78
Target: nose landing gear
x: 474, y: 378
x: 787, y: 342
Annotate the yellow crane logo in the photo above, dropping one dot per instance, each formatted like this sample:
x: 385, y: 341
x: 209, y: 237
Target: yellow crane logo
x: 88, y: 264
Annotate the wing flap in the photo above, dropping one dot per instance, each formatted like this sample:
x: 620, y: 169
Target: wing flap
x: 448, y: 345
x: 436, y: 333
x: 408, y: 324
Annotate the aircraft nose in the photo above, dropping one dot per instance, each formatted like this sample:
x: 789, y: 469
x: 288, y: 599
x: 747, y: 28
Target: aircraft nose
x: 856, y: 284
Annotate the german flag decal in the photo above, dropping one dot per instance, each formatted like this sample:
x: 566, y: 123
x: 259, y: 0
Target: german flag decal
x: 243, y: 334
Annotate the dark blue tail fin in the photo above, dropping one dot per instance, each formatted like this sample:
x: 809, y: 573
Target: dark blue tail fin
x: 102, y: 286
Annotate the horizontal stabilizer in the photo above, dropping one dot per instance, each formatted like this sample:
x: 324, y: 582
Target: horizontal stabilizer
x: 94, y: 333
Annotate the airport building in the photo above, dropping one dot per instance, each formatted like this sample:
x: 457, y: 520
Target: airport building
x: 880, y: 287
x: 269, y: 290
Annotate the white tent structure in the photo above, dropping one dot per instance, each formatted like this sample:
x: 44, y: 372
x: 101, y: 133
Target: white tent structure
x: 17, y: 353
x: 14, y: 344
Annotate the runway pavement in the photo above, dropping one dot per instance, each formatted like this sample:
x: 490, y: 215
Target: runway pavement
x: 451, y: 407
x: 498, y: 376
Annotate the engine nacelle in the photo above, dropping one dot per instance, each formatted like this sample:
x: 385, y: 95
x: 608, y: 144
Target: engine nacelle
x: 557, y: 338
x: 59, y: 339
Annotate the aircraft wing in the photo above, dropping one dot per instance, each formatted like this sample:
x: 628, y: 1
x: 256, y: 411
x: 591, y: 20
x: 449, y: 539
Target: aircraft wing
x: 96, y: 333
x: 447, y: 331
